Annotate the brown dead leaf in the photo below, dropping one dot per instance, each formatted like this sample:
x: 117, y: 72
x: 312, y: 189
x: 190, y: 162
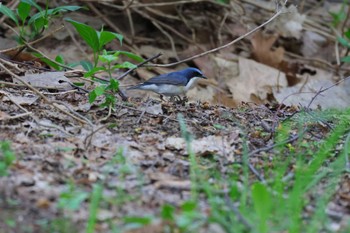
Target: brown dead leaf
x: 255, y: 81
x: 203, y: 146
x: 28, y: 99
x: 3, y: 116
x: 262, y: 49
x: 225, y: 100
x: 43, y: 203
x: 55, y: 80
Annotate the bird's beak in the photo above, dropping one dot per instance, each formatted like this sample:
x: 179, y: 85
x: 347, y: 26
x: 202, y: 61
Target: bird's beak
x: 204, y: 77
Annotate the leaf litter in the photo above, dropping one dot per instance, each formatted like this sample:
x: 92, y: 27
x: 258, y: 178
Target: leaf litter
x: 139, y: 150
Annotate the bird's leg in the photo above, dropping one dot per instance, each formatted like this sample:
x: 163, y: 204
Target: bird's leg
x: 180, y: 100
x: 176, y: 99
x: 161, y: 97
x: 183, y: 100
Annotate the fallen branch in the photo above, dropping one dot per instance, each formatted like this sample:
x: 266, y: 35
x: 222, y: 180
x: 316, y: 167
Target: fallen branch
x: 55, y: 105
x: 278, y: 13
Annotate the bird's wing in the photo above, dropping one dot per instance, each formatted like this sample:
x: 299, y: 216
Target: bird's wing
x: 171, y: 78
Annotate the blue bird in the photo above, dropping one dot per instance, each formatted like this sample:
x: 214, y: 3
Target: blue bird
x: 172, y: 84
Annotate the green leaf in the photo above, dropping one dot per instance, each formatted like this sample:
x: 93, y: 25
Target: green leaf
x: 189, y: 206
x: 7, y: 157
x: 132, y: 56
x: 138, y: 220
x: 88, y: 33
x: 47, y: 61
x: 33, y: 3
x: 50, y: 63
x: 39, y: 24
x: 109, y: 101
x: 343, y: 42
x: 347, y: 34
x: 96, y: 196
x: 9, y: 13
x: 126, y: 64
x: 107, y: 58
x: 234, y: 192
x: 262, y: 204
x: 37, y: 16
x: 93, y: 71
x: 338, y: 16
x: 100, y: 90
x: 86, y: 65
x: 61, y: 9
x: 105, y: 37
x: 72, y: 200
x: 346, y: 59
x: 167, y: 212
x: 79, y: 84
x: 52, y: 12
x: 59, y: 59
x: 113, y: 85
x: 23, y: 10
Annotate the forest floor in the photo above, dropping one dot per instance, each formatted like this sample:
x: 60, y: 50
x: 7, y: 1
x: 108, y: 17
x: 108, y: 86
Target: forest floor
x: 217, y: 163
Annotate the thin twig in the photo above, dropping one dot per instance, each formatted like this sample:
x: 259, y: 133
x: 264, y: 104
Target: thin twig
x: 169, y: 37
x: 16, y: 116
x: 138, y: 66
x: 235, y: 210
x: 143, y: 112
x: 170, y: 28
x: 256, y: 173
x: 88, y: 138
x: 51, y: 60
x: 108, y: 115
x: 127, y: 5
x: 108, y: 22
x: 39, y: 93
x: 32, y: 42
x: 27, y: 113
x: 268, y: 148
x: 14, y: 102
x: 223, y: 46
x: 325, y: 89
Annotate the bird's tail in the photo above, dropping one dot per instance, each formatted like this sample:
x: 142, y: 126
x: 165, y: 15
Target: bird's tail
x: 134, y: 87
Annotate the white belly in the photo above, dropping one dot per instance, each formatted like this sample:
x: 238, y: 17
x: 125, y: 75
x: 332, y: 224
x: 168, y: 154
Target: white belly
x: 164, y: 89
x: 170, y: 90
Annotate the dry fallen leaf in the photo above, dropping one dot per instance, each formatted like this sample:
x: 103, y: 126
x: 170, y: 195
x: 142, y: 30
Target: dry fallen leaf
x: 255, y: 81
x: 302, y: 94
x: 55, y: 80
x: 262, y: 49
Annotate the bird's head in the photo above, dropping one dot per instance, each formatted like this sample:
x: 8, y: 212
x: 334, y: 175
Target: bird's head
x: 191, y: 73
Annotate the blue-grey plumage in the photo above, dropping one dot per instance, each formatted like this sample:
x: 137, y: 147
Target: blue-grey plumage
x: 172, y: 84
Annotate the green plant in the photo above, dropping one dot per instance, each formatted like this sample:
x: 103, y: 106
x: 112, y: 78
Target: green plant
x: 32, y: 25
x: 59, y: 225
x: 278, y: 203
x: 339, y: 22
x: 109, y: 88
x: 96, y: 40
x: 72, y: 198
x: 7, y: 157
x: 95, y: 200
